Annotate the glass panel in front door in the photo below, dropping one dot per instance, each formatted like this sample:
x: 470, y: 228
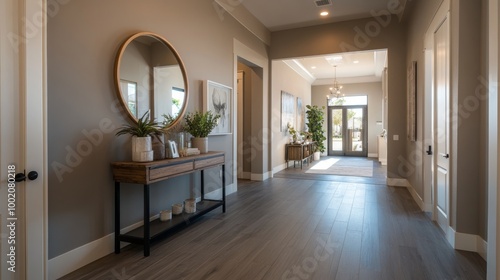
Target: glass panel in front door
x: 355, y: 130
x: 336, y: 122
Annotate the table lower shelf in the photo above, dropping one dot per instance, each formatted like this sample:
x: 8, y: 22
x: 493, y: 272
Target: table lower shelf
x: 159, y: 229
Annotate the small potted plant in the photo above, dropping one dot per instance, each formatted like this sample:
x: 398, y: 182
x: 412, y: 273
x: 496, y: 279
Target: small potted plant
x: 141, y: 132
x: 315, y: 120
x: 293, y: 132
x: 199, y: 125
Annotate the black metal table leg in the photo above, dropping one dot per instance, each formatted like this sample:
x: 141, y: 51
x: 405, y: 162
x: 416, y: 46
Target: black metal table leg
x: 146, y: 221
x: 117, y: 217
x: 202, y: 188
x: 223, y: 188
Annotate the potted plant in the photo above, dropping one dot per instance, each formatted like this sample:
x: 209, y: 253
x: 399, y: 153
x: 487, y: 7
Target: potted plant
x: 293, y: 132
x: 199, y: 125
x: 141, y: 132
x: 315, y: 120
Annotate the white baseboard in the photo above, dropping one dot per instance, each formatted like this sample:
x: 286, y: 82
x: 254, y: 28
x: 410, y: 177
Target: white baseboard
x: 397, y: 182
x: 468, y: 242
x: 372, y: 155
x: 279, y: 168
x: 83, y: 255
x: 416, y: 196
x: 260, y: 177
x: 482, y: 248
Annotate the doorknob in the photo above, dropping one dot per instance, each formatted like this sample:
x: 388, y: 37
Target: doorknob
x: 445, y: 155
x: 429, y: 150
x: 32, y: 175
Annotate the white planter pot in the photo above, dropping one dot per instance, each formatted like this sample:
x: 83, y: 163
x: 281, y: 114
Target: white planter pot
x: 317, y: 155
x: 142, y: 150
x: 201, y: 144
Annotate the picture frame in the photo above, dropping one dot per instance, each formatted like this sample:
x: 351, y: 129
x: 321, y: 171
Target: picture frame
x: 287, y: 110
x: 218, y: 98
x: 411, y: 100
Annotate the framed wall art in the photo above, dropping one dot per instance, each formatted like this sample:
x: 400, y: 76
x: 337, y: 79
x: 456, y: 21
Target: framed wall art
x: 287, y: 110
x: 218, y: 98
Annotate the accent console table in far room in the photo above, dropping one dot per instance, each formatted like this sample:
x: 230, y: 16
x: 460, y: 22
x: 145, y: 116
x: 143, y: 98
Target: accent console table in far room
x: 299, y: 152
x: 146, y: 173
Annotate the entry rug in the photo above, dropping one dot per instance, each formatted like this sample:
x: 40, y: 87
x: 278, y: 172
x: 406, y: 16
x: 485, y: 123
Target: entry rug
x: 343, y: 167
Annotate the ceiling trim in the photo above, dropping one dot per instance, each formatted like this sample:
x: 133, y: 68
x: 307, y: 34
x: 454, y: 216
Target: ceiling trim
x: 245, y: 18
x: 299, y: 69
x: 348, y: 80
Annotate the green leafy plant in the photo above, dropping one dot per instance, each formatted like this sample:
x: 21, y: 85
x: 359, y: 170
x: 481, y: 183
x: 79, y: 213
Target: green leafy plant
x: 315, y: 120
x: 200, y: 124
x: 144, y: 127
x: 292, y: 131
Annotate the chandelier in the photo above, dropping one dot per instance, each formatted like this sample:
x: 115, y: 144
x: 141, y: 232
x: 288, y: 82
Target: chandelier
x: 335, y: 90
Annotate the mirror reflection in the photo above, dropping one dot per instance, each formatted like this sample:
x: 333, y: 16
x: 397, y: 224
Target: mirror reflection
x: 150, y: 77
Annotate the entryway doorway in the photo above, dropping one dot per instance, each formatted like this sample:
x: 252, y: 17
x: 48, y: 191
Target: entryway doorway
x: 347, y: 127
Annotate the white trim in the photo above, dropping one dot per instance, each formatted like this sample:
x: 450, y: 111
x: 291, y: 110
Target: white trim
x: 279, y: 168
x: 426, y: 207
x: 373, y: 155
x: 261, y: 177
x: 468, y: 242
x: 482, y: 248
x: 493, y: 262
x: 397, y: 182
x: 83, y: 255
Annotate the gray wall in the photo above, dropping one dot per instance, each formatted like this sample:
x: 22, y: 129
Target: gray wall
x: 468, y: 135
x: 374, y: 93
x: 83, y: 114
x: 285, y: 79
x: 360, y: 35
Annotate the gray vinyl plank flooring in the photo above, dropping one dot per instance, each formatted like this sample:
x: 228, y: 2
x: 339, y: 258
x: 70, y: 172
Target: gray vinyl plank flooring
x: 301, y: 227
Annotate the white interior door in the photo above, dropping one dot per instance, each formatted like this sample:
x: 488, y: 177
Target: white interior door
x: 23, y: 210
x: 442, y: 124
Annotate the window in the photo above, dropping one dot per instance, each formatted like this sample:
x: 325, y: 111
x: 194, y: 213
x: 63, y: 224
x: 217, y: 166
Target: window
x: 348, y: 100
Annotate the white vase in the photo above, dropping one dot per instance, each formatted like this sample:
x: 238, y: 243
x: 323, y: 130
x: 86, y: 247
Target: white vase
x: 142, y: 150
x: 317, y: 155
x: 201, y: 144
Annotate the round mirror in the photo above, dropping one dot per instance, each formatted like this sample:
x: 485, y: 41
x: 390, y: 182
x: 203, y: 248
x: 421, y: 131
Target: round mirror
x: 150, y: 77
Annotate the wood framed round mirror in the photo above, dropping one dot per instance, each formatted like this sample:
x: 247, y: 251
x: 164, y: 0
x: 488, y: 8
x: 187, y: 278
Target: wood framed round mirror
x: 150, y: 77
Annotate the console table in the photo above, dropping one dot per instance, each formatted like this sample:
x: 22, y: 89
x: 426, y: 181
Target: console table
x: 299, y: 152
x: 146, y: 173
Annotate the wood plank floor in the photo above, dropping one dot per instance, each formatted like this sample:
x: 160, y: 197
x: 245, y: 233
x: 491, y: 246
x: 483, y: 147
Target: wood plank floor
x: 296, y: 228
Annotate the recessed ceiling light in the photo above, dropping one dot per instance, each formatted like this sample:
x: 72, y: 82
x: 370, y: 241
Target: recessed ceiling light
x: 313, y: 67
x: 324, y: 13
x: 355, y: 61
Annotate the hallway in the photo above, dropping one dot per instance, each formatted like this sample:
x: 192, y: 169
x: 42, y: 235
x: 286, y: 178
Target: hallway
x: 290, y: 228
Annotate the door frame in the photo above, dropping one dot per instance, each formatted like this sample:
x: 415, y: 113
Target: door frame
x: 430, y: 162
x: 344, y: 109
x: 24, y: 130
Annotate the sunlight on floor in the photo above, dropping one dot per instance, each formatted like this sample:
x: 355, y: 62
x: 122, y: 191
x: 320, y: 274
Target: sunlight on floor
x: 325, y: 164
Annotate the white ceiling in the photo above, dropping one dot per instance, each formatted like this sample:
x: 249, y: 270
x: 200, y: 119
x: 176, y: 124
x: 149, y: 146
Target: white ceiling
x: 279, y: 15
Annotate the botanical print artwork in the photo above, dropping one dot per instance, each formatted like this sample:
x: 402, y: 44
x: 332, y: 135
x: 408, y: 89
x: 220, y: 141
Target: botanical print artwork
x: 218, y: 99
